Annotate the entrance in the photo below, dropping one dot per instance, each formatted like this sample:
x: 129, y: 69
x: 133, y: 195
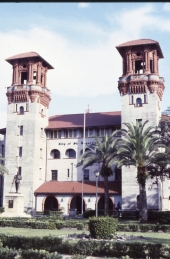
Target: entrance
x: 76, y: 203
x: 101, y: 204
x: 51, y: 203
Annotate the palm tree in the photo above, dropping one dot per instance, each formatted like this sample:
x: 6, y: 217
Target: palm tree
x: 137, y: 148
x: 3, y: 169
x: 104, y: 152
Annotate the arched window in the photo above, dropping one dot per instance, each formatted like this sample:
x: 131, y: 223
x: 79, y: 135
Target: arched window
x: 138, y: 102
x: 21, y: 110
x: 55, y: 153
x: 70, y: 153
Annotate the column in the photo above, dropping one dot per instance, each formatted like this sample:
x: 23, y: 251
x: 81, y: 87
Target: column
x: 13, y: 75
x: 45, y: 77
x: 154, y: 61
x: 130, y: 63
x: 146, y: 60
x: 133, y: 66
x: 30, y: 75
x: 38, y: 73
x: 16, y: 73
x: 127, y: 59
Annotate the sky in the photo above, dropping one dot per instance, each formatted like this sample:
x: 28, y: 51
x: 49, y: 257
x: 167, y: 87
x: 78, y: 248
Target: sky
x: 78, y: 40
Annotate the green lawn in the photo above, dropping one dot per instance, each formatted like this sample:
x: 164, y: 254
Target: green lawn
x: 163, y: 238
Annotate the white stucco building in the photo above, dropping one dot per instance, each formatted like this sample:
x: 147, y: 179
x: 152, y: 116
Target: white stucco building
x: 45, y: 150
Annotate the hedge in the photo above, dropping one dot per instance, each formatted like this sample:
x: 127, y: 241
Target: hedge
x: 102, y: 227
x: 142, y: 227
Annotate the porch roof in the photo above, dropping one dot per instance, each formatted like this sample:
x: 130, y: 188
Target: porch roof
x: 55, y: 187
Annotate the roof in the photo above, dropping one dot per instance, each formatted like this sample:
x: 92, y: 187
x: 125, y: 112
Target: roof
x: 27, y: 55
x: 92, y: 119
x: 138, y: 43
x: 55, y: 187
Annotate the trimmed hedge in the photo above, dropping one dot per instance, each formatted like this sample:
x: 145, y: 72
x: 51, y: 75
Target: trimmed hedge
x: 40, y: 254
x: 102, y: 227
x: 142, y: 227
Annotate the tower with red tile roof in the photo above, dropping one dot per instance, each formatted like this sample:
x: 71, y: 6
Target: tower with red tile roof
x: 27, y: 116
x: 141, y: 89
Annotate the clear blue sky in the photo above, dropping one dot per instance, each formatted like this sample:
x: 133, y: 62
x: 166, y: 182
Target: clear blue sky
x: 78, y: 40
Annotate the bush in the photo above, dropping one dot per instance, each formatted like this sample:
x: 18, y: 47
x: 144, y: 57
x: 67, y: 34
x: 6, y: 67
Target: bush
x: 89, y: 213
x: 162, y: 217
x: 2, y: 209
x: 79, y: 226
x: 133, y: 214
x: 39, y: 254
x: 102, y: 227
x: 6, y: 253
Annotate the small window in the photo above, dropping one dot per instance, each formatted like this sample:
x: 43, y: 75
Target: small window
x: 19, y: 170
x: 132, y: 99
x: 59, y: 133
x: 34, y: 77
x: 40, y: 173
x: 102, y: 132
x: 138, y: 102
x: 86, y: 174
x: 21, y: 110
x: 51, y: 134
x: 41, y: 132
x: 20, y: 151
x: 97, y: 132
x: 81, y: 133
x: 90, y: 132
x: 21, y: 130
x: 68, y: 172
x: 55, y: 133
x: 40, y: 152
x: 144, y: 98
x: 10, y: 204
x: 70, y: 133
x: 66, y: 133
x: 23, y: 78
x: 75, y: 133
x: 54, y: 174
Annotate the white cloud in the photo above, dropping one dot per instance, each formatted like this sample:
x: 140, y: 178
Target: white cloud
x: 83, y: 5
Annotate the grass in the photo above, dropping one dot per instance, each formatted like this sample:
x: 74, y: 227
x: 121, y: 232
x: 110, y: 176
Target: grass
x: 153, y: 237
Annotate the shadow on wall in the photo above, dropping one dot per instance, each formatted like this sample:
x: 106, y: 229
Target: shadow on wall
x: 152, y: 201
x: 129, y: 202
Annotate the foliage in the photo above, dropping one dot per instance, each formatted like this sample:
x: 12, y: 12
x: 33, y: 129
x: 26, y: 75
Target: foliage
x: 104, y: 152
x: 1, y: 209
x: 102, y: 227
x: 3, y: 169
x: 137, y: 148
x: 6, y: 253
x: 39, y: 254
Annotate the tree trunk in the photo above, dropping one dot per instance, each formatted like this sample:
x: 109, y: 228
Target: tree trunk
x: 106, y: 196
x: 143, y: 213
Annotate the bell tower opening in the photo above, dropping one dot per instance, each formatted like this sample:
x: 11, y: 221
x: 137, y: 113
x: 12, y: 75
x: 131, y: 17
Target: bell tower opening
x: 24, y: 76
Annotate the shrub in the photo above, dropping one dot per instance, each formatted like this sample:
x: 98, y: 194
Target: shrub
x: 39, y: 254
x: 122, y: 227
x: 133, y: 214
x: 89, y: 213
x: 102, y: 227
x: 60, y: 224
x: 79, y: 226
x: 6, y: 253
x: 2, y: 209
x: 144, y: 227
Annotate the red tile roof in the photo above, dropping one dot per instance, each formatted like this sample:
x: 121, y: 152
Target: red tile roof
x: 55, y: 187
x: 140, y: 42
x: 27, y: 55
x: 92, y: 119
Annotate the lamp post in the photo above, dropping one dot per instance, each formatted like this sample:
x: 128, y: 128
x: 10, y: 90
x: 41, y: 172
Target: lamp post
x: 84, y: 139
x: 97, y: 174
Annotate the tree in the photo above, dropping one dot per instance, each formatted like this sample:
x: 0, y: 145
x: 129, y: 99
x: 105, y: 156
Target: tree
x: 3, y: 169
x: 104, y: 152
x: 137, y: 148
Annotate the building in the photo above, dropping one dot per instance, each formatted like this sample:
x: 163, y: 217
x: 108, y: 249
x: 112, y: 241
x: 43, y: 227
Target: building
x: 45, y: 150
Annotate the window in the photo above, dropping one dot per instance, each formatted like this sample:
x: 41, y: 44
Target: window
x: 90, y: 132
x: 144, y: 98
x: 23, y: 78
x: 21, y: 110
x: 40, y: 152
x: 70, y: 133
x: 66, y: 133
x: 10, y: 204
x: 102, y: 132
x: 20, y: 151
x: 138, y: 102
x: 118, y: 174
x: 81, y: 133
x: 41, y: 132
x: 70, y: 153
x: 54, y: 174
x: 19, y: 170
x: 68, y: 172
x: 59, y: 133
x: 55, y: 133
x: 132, y: 99
x: 55, y: 153
x: 2, y: 151
x: 139, y: 120
x: 75, y: 133
x: 21, y: 130
x: 86, y: 174
x: 34, y: 77
x: 40, y: 173
x: 51, y: 134
x: 97, y: 132
x: 86, y: 133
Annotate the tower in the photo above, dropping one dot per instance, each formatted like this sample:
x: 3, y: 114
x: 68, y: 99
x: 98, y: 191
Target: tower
x: 27, y: 116
x: 141, y: 89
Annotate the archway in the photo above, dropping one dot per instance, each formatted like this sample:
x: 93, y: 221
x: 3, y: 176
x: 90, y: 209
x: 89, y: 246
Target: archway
x: 51, y: 203
x: 76, y: 203
x: 101, y: 204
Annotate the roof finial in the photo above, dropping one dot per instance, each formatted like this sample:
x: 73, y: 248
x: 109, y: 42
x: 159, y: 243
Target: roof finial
x: 88, y: 110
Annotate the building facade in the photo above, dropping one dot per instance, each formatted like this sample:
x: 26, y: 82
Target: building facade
x: 45, y: 150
